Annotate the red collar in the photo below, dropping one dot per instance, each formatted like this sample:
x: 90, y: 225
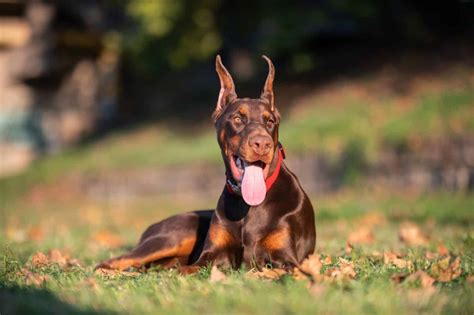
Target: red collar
x: 234, y: 188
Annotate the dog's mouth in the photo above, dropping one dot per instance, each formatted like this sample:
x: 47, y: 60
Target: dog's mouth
x: 251, y: 176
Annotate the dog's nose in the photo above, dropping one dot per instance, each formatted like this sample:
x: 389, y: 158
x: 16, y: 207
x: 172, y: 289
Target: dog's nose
x: 261, y: 144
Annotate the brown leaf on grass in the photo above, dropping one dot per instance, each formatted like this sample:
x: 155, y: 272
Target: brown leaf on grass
x: 412, y: 235
x: 32, y: 278
x: 74, y: 262
x: 299, y: 275
x: 216, y: 275
x: 430, y: 255
x: 35, y: 234
x: 362, y: 235
x: 347, y: 268
x: 443, y: 250
x: 312, y: 266
x: 327, y: 260
x: 343, y: 272
x: 372, y: 219
x: 425, y: 279
x: 470, y: 279
x: 39, y: 260
x: 311, y: 269
x: 266, y: 273
x: 108, y: 239
x: 444, y: 271
x: 392, y: 258
x: 114, y: 273
x: 63, y: 259
x: 56, y: 256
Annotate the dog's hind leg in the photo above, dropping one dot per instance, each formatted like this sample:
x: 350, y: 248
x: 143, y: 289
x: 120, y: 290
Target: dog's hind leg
x: 167, y: 243
x: 159, y: 248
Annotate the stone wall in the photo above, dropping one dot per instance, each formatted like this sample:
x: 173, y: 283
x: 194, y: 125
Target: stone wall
x: 58, y: 83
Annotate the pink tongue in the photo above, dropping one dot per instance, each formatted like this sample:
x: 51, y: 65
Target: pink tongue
x: 253, y: 185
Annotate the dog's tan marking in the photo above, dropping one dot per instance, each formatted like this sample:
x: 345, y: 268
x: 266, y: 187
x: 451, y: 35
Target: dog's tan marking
x: 220, y: 237
x: 222, y: 136
x: 235, y: 141
x: 244, y: 110
x: 276, y: 240
x: 184, y: 248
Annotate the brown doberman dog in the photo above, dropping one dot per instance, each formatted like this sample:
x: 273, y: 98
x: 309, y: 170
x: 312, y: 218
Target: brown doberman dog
x: 263, y: 216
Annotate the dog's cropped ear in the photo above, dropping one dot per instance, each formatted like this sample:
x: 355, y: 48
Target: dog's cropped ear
x: 267, y: 93
x: 227, y: 93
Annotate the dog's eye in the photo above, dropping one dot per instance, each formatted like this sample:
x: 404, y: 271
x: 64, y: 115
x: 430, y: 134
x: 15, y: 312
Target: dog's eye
x: 270, y: 123
x: 237, y: 119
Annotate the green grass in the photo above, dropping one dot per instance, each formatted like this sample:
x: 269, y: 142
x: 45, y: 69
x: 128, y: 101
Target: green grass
x: 435, y: 116
x: 71, y: 225
x: 331, y: 128
x: 168, y: 293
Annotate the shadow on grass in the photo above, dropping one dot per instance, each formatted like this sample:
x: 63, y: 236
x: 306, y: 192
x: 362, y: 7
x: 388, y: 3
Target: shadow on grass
x: 17, y: 300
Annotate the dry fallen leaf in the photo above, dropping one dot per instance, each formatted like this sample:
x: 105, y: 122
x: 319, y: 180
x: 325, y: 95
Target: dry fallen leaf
x: 39, y: 260
x: 443, y: 271
x: 411, y: 234
x: 430, y: 255
x: 343, y: 272
x: 425, y: 279
x: 443, y: 250
x: 56, y: 256
x: 266, y: 273
x: 327, y: 260
x: 347, y: 268
x: 32, y: 278
x: 362, y: 235
x: 35, y: 233
x: 298, y: 274
x: 372, y: 219
x: 312, y: 266
x: 392, y: 258
x: 216, y: 275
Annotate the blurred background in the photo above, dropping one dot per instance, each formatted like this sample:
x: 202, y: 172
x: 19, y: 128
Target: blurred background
x: 105, y: 128
x: 105, y: 105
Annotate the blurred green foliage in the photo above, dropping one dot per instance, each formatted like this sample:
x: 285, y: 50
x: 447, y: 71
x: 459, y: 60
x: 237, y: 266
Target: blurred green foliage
x: 173, y: 34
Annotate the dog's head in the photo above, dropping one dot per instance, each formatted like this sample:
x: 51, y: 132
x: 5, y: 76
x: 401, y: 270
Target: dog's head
x: 247, y: 132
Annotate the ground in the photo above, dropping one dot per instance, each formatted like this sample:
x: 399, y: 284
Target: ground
x: 379, y: 250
